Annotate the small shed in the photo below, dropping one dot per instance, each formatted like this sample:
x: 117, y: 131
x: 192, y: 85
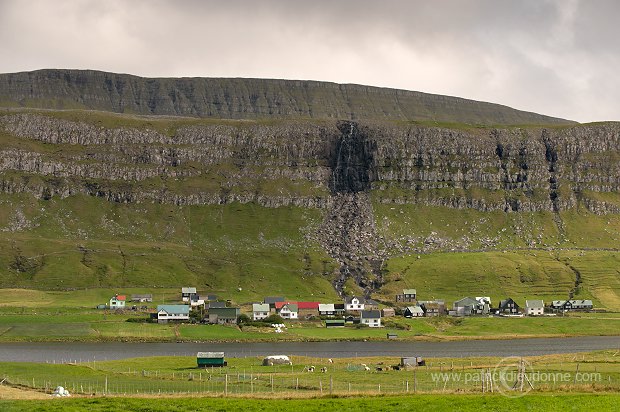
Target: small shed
x: 334, y: 323
x: 206, y: 359
x: 412, y: 361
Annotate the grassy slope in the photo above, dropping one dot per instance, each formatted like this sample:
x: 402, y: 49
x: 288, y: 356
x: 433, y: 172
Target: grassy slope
x: 507, y: 268
x: 223, y: 248
x: 216, y: 248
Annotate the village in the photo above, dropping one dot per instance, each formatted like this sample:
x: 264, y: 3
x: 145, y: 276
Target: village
x: 193, y: 307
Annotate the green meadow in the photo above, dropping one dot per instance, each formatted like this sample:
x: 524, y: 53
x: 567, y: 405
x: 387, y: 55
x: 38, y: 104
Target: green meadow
x: 573, y: 402
x: 155, y: 383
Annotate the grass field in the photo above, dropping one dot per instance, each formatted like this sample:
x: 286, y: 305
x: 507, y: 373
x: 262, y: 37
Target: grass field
x: 586, y: 379
x: 60, y: 323
x: 545, y: 402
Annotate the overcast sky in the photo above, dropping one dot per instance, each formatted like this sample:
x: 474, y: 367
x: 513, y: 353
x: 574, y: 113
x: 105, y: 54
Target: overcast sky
x: 556, y: 57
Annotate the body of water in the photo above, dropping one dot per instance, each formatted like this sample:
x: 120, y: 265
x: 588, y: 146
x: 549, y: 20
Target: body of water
x: 67, y: 352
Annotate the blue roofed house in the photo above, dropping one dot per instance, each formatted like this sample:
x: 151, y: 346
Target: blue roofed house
x: 167, y: 313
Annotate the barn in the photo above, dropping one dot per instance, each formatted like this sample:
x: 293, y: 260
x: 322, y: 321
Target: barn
x: 207, y: 359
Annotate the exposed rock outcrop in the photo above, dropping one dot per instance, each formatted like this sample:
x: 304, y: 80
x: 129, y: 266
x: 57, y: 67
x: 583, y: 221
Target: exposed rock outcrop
x: 246, y: 99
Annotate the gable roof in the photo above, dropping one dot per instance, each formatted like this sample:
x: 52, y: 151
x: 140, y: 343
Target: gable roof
x: 142, y: 296
x: 466, y: 301
x: 119, y: 297
x: 180, y: 309
x: 505, y: 302
x: 308, y: 305
x: 292, y: 307
x: 370, y: 314
x: 188, y: 290
x: 534, y: 304
x: 414, y: 309
x: 326, y: 307
x: 576, y: 302
x: 216, y: 304
x: 349, y: 299
x: 260, y: 307
x: 224, y: 312
x: 273, y: 299
x: 409, y: 292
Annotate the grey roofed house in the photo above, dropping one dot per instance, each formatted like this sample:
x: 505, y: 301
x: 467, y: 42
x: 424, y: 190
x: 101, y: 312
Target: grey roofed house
x: 260, y: 307
x: 216, y: 304
x: 581, y: 304
x: 534, y: 304
x: 556, y: 304
x: 465, y: 307
x: 413, y: 312
x: 271, y: 300
x: 211, y: 297
x: 145, y: 297
x: 223, y: 315
x: 467, y: 301
x: 370, y: 314
x: 188, y: 290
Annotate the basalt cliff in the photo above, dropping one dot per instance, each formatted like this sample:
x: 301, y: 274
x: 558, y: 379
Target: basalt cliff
x: 350, y: 154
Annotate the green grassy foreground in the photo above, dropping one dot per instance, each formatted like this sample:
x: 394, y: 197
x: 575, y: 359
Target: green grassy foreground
x: 572, y: 402
x: 174, y: 383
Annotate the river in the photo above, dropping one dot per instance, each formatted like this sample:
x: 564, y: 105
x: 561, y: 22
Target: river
x: 67, y: 352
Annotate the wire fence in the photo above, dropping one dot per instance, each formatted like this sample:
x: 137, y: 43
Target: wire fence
x: 338, y: 380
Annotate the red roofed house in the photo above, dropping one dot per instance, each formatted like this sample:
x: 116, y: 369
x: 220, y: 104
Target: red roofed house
x: 118, y: 302
x: 287, y: 310
x: 308, y: 309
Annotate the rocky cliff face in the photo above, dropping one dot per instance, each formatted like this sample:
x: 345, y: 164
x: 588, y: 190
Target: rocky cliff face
x: 341, y: 167
x: 245, y: 99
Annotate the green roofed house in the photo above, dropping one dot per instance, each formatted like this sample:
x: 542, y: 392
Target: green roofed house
x: 334, y: 323
x: 210, y: 359
x: 223, y: 315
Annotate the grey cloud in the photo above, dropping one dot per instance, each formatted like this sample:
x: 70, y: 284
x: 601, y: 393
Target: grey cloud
x: 557, y: 57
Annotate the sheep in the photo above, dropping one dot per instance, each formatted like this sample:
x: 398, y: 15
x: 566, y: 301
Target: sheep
x: 323, y: 369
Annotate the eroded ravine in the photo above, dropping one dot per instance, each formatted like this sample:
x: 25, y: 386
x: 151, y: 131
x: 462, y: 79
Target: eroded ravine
x: 348, y: 229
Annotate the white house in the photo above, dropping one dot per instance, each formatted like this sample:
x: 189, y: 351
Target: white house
x: 413, y: 312
x: 534, y: 307
x: 260, y: 311
x: 353, y: 304
x: 166, y: 313
x: 287, y: 310
x: 372, y: 318
x: 187, y: 293
x: 327, y: 309
x: 196, y: 302
x: 118, y: 302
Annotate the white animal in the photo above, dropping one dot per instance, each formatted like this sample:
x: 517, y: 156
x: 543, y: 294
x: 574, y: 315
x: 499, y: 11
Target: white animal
x: 323, y: 369
x: 330, y: 360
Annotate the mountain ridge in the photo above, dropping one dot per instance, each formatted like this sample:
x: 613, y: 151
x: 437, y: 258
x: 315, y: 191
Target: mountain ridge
x: 247, y: 98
